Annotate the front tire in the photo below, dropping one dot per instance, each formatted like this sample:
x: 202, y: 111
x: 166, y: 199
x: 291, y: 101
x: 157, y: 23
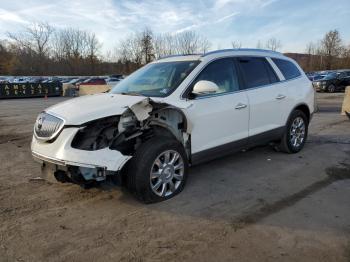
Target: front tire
x: 295, y: 134
x: 331, y: 89
x: 158, y: 171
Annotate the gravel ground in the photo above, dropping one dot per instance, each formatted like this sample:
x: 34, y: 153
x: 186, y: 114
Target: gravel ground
x: 258, y: 205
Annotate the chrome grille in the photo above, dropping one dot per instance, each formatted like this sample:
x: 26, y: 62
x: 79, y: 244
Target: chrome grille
x: 47, y: 126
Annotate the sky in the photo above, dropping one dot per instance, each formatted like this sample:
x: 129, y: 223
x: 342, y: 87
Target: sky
x: 294, y: 22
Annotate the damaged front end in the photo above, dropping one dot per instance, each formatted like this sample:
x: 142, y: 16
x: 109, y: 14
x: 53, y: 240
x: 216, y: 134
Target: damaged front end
x: 100, y: 148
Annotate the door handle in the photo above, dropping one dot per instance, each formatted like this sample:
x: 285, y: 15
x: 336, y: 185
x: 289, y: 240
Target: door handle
x: 279, y: 97
x: 240, y: 106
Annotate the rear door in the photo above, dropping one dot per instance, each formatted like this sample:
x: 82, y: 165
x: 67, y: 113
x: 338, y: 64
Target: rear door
x: 267, y: 97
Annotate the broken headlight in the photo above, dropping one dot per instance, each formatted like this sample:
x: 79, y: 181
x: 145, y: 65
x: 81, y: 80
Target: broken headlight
x: 96, y: 134
x: 127, y: 122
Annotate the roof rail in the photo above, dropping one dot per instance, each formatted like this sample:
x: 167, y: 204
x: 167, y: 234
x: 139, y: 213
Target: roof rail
x: 168, y: 56
x: 241, y: 49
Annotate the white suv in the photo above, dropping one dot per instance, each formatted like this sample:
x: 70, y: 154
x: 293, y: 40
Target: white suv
x: 175, y: 112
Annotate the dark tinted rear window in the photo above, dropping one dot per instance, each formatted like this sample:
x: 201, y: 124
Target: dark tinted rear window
x: 288, y: 69
x: 256, y: 72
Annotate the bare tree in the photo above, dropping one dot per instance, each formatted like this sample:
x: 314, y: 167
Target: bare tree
x: 346, y: 57
x: 75, y: 50
x: 138, y: 48
x: 204, y: 45
x: 144, y: 47
x: 331, y: 47
x: 7, y: 59
x: 164, y: 45
x: 93, y: 47
x: 189, y: 42
x: 36, y: 37
x: 236, y: 44
x: 146, y: 42
x: 273, y: 44
x: 259, y: 45
x: 186, y: 42
x: 311, y: 53
x: 58, y: 46
x: 131, y: 50
x: 35, y: 41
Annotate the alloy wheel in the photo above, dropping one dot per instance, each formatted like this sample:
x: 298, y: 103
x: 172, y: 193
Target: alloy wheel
x: 297, y: 132
x: 167, y: 173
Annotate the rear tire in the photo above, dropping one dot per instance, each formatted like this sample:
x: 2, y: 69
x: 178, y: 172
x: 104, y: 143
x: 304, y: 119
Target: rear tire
x: 295, y: 135
x: 158, y: 171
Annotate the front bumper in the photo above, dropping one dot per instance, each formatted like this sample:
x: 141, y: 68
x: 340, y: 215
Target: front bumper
x: 60, y: 152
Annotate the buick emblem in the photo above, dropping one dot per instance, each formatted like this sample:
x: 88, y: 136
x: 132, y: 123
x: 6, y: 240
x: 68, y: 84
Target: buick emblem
x: 40, y: 122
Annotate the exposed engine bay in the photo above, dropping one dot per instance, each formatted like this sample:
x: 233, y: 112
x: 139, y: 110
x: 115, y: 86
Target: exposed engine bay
x: 137, y: 124
x: 125, y: 133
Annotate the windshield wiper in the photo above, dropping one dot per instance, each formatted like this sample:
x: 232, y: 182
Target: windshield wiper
x: 131, y: 93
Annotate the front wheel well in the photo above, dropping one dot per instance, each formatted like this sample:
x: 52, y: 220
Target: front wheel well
x: 305, y: 109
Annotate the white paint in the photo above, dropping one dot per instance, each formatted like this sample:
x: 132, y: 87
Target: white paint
x: 212, y: 121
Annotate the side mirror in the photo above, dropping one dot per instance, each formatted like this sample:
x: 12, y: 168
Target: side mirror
x: 205, y: 87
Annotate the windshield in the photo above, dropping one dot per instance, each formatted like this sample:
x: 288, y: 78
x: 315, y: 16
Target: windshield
x: 156, y: 80
x: 330, y: 76
x: 318, y: 77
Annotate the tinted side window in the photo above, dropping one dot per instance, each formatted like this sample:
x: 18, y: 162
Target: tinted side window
x: 342, y: 75
x: 223, y: 73
x: 256, y: 71
x: 288, y: 69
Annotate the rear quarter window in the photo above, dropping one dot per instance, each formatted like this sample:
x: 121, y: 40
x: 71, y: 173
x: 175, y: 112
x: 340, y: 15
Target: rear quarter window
x: 288, y: 69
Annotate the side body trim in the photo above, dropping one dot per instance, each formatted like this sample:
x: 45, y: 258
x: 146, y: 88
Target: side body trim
x: 236, y: 146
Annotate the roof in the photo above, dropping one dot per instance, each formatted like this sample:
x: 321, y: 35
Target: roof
x: 242, y: 50
x: 221, y: 53
x: 342, y: 70
x: 171, y: 58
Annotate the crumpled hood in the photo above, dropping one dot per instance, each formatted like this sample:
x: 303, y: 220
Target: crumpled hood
x: 83, y: 109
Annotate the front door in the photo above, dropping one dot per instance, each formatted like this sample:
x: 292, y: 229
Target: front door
x: 219, y: 120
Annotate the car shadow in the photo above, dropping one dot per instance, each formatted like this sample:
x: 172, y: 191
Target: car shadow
x: 247, y: 187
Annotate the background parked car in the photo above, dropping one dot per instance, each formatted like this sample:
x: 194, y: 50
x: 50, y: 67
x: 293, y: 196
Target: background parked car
x: 3, y: 80
x: 119, y: 76
x: 333, y: 81
x: 311, y: 75
x: 112, y: 81
x: 21, y: 80
x: 94, y: 81
x: 344, y: 77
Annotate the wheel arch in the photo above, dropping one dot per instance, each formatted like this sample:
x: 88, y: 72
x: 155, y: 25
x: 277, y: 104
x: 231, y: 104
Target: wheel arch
x: 304, y: 108
x: 167, y: 121
x: 177, y: 110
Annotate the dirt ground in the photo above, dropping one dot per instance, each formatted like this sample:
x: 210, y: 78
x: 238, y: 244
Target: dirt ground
x: 258, y: 205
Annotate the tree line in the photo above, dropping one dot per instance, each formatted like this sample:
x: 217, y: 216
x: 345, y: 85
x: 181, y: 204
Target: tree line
x: 328, y: 53
x: 41, y: 49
